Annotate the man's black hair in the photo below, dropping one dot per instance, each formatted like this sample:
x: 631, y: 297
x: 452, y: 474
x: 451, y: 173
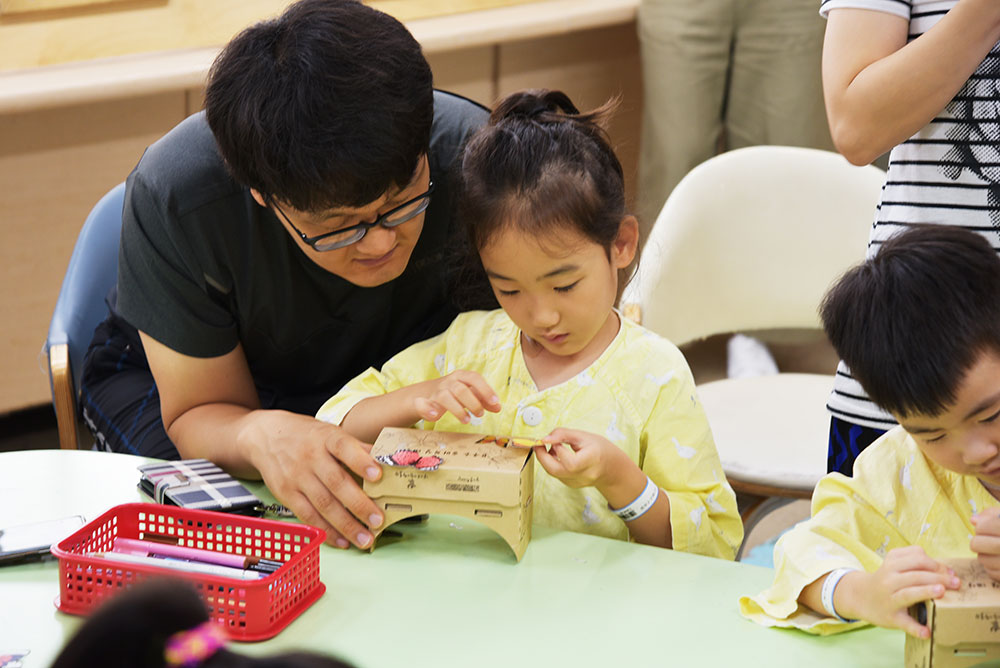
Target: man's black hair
x: 911, y: 321
x: 328, y: 105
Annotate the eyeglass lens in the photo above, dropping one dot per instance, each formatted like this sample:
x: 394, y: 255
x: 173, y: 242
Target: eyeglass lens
x: 392, y: 219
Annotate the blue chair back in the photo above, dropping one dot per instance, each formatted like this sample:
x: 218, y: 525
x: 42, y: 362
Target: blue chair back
x: 93, y: 269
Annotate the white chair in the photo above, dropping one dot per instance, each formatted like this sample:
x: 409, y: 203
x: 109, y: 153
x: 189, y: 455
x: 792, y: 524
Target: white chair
x: 751, y: 240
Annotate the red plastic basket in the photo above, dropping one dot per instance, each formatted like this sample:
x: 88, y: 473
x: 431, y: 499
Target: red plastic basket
x: 247, y: 609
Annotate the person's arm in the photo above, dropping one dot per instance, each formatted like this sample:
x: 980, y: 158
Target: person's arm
x: 460, y: 393
x: 581, y: 459
x: 210, y: 409
x: 880, y: 90
x: 907, y: 576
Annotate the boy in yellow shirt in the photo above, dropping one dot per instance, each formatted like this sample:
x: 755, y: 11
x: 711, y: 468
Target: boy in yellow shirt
x: 919, y: 326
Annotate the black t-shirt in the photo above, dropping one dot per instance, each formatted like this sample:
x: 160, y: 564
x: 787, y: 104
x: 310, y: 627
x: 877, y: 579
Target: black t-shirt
x: 203, y: 267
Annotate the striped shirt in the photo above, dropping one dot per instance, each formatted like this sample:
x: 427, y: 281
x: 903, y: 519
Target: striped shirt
x: 948, y: 174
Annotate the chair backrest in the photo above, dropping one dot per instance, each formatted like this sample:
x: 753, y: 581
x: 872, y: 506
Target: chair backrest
x: 751, y: 239
x: 92, y: 270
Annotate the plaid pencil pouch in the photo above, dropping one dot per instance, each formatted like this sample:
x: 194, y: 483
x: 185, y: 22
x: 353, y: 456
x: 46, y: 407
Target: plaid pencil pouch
x: 197, y: 484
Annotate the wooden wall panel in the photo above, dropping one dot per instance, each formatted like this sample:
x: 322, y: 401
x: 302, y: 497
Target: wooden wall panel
x: 590, y: 66
x: 468, y: 72
x: 54, y: 165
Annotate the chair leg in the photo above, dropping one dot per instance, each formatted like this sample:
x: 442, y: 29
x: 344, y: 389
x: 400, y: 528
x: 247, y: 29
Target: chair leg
x: 62, y: 396
x: 755, y: 513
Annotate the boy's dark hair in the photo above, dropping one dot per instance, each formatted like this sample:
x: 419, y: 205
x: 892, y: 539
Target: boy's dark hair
x: 539, y: 163
x: 131, y: 631
x: 327, y: 105
x: 911, y: 321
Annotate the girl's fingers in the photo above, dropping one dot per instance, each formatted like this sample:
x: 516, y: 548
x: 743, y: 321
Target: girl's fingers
x: 903, y: 599
x: 427, y: 409
x: 985, y: 544
x: 484, y: 393
x: 548, y: 462
x: 910, y: 625
x: 987, y: 520
x: 467, y: 398
x: 909, y: 579
x: 990, y: 562
x: 571, y: 437
x: 452, y: 405
x: 565, y: 454
x: 559, y: 435
x: 474, y: 392
x: 913, y: 558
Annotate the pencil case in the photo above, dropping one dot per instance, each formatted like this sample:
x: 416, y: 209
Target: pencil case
x: 197, y: 484
x: 247, y: 609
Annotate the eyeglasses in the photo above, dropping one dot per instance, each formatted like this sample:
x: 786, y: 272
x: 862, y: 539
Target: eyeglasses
x: 355, y: 233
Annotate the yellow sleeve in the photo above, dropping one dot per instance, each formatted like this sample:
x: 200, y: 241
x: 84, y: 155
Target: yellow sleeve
x: 851, y: 527
x: 678, y: 452
x: 421, y: 361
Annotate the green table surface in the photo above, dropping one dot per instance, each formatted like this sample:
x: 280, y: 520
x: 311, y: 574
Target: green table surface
x: 450, y: 593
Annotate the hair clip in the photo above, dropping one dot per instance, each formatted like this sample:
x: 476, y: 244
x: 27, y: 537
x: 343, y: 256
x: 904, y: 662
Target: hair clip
x: 187, y: 649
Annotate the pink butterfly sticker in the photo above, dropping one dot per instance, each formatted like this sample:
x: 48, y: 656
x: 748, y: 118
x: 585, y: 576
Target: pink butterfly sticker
x: 405, y: 457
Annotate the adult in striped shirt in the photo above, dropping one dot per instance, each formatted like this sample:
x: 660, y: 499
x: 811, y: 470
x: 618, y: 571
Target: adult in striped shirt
x: 918, y: 78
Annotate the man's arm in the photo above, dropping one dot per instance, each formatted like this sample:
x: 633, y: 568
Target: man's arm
x: 880, y: 90
x: 210, y: 409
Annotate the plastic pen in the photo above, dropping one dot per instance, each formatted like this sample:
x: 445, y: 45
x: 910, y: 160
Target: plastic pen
x: 181, y: 565
x: 141, y: 547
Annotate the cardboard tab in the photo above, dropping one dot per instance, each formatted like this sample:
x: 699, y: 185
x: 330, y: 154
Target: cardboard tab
x: 964, y: 623
x: 483, y: 477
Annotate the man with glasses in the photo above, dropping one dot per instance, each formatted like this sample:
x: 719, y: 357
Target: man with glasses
x: 273, y: 247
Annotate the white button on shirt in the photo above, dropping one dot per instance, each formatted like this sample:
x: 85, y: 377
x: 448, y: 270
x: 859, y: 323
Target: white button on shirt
x: 532, y: 416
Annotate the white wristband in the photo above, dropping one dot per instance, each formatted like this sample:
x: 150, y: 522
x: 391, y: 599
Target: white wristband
x: 830, y: 586
x: 642, y: 503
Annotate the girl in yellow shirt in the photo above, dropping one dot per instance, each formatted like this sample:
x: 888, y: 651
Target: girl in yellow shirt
x: 629, y: 452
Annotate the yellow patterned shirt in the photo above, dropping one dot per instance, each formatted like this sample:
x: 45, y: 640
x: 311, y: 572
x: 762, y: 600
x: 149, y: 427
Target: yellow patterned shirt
x: 639, y: 394
x: 896, y: 498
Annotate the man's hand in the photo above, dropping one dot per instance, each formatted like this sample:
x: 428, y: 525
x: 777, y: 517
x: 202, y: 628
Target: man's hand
x: 907, y: 576
x: 986, y: 542
x: 307, y: 465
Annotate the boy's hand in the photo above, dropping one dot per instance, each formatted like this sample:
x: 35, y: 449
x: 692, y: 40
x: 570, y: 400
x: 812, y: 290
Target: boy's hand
x: 585, y: 460
x: 459, y: 393
x: 907, y: 576
x: 986, y: 542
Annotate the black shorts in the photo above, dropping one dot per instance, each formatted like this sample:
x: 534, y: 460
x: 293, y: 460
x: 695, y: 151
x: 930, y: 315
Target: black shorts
x: 119, y: 401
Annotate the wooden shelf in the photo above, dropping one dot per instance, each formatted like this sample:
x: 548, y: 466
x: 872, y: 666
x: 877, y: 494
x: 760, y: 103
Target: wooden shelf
x: 150, y: 73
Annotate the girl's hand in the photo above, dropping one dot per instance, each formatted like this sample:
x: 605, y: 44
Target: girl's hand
x: 986, y: 542
x: 459, y: 393
x: 580, y: 459
x: 907, y: 576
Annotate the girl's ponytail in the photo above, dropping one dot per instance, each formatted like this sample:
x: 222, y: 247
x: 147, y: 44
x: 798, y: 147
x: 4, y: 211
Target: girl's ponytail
x: 540, y: 164
x: 534, y: 105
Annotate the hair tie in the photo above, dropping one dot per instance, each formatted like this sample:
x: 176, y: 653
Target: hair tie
x: 187, y: 649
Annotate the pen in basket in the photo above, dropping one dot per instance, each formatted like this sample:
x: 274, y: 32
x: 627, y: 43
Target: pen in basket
x: 147, y: 548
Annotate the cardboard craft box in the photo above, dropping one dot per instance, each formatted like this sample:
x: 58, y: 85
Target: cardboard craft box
x: 485, y: 478
x: 964, y: 624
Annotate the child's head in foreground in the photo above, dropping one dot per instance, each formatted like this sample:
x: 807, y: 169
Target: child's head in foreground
x: 161, y: 624
x: 919, y: 327
x: 542, y: 196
